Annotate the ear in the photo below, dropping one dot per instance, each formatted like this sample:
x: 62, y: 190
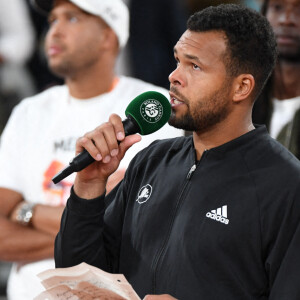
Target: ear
x: 243, y: 87
x: 109, y: 40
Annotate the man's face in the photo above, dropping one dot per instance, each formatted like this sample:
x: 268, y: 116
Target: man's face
x: 284, y: 16
x: 72, y: 42
x: 200, y: 87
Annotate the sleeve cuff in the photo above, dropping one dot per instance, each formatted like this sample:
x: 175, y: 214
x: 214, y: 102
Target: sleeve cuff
x: 84, y: 206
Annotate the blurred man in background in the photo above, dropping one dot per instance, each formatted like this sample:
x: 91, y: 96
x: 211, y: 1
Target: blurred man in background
x: 82, y: 45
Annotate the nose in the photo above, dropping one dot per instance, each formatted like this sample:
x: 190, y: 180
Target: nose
x: 287, y: 17
x: 56, y: 29
x: 176, y: 78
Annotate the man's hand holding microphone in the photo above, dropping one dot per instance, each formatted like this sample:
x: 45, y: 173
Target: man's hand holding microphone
x: 107, y: 145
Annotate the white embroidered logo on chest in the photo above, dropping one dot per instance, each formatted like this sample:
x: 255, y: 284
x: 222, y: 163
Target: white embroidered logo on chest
x: 144, y: 194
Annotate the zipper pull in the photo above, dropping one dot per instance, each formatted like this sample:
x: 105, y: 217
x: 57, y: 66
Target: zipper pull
x: 191, y: 171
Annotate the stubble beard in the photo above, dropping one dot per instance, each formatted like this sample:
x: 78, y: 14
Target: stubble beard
x: 289, y: 55
x: 204, y: 114
x: 69, y: 68
x: 61, y: 70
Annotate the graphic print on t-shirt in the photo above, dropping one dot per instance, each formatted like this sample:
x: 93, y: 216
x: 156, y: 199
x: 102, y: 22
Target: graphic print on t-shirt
x: 56, y: 194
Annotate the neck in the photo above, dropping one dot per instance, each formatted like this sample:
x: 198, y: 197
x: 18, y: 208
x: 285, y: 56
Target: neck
x: 286, y: 80
x: 220, y: 134
x: 91, y: 82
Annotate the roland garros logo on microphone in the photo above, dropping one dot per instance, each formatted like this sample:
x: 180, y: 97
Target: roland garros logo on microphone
x: 151, y: 110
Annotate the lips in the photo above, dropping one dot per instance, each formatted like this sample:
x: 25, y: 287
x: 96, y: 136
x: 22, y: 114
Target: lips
x: 286, y: 39
x: 174, y: 100
x: 54, y: 50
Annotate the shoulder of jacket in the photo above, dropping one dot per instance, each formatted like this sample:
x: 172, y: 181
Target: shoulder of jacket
x: 161, y: 147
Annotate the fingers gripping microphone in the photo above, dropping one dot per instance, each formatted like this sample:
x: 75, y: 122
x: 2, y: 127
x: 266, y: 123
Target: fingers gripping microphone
x: 145, y: 114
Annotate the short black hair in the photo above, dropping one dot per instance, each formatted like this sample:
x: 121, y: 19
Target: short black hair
x: 251, y: 43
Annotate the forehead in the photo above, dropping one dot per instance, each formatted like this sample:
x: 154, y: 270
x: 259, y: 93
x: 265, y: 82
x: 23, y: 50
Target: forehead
x: 205, y: 45
x: 65, y: 7
x: 286, y: 2
x: 66, y: 4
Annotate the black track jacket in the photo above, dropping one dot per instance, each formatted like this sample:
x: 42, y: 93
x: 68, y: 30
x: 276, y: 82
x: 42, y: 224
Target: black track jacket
x: 225, y: 227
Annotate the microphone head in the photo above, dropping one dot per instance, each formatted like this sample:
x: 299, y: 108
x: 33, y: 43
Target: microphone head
x: 151, y: 111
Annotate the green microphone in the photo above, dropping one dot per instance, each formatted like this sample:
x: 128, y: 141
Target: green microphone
x: 145, y: 114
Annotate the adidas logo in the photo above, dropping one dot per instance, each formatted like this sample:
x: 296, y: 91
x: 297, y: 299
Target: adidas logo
x: 219, y: 214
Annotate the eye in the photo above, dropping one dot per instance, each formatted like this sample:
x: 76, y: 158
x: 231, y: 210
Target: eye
x: 275, y: 7
x: 73, y: 19
x: 195, y: 67
x: 52, y: 21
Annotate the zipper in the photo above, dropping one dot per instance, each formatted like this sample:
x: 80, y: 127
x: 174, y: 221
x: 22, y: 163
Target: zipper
x: 191, y: 171
x: 179, y: 201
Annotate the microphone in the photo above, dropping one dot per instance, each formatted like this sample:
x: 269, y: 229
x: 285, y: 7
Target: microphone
x: 145, y: 114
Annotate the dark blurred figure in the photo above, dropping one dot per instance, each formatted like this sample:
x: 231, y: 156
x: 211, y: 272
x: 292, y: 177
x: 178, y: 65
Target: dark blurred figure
x: 279, y: 104
x: 155, y: 27
x: 161, y: 22
x: 16, y: 46
x: 196, y: 5
x: 37, y: 64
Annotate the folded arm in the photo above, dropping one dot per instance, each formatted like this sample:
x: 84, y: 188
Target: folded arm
x: 21, y: 243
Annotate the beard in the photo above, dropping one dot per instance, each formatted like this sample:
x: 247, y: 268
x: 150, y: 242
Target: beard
x: 60, y: 71
x: 291, y: 57
x: 204, y: 114
x: 70, y: 66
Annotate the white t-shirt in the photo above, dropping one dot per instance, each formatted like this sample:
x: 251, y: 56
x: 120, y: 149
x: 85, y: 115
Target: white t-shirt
x: 283, y: 113
x: 39, y: 140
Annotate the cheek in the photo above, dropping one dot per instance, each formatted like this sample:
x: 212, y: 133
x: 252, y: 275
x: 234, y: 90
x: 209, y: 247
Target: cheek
x: 272, y: 18
x: 48, y: 39
x: 199, y: 89
x: 45, y: 46
x: 85, y: 42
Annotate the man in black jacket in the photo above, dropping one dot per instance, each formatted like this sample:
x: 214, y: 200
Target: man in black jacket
x: 210, y: 216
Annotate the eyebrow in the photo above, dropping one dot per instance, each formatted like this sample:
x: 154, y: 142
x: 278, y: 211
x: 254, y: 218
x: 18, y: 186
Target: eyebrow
x: 68, y: 13
x: 189, y: 56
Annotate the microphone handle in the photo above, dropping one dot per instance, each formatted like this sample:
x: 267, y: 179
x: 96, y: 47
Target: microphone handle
x: 84, y: 159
